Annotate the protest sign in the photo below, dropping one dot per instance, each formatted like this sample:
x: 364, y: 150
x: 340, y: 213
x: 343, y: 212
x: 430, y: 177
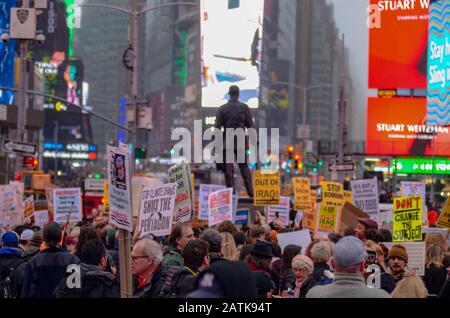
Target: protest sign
x: 19, y: 188
x: 137, y: 184
x: 282, y: 210
x: 444, y: 217
x: 301, y: 238
x: 302, y: 194
x: 204, y: 192
x: 407, y: 219
x: 413, y: 188
x: 156, y: 211
x: 327, y: 221
x: 106, y: 198
x: 49, y: 198
x: 365, y: 197
x: 40, y: 217
x: 298, y: 218
x: 333, y: 194
x: 183, y: 205
x: 241, y: 217
x: 416, y: 256
x: 348, y: 196
x: 386, y: 213
x: 8, y: 202
x: 350, y: 215
x: 308, y: 220
x: 266, y: 188
x: 119, y: 180
x: 28, y: 205
x: 67, y: 201
x: 220, y: 206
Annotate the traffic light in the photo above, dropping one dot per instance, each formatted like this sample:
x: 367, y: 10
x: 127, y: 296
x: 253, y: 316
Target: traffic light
x: 320, y: 163
x: 290, y: 152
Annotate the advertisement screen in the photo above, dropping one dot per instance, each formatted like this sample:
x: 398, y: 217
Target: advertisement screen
x: 398, y: 44
x: 422, y: 165
x: 397, y: 126
x: 231, y: 50
x: 6, y: 54
x: 438, y: 112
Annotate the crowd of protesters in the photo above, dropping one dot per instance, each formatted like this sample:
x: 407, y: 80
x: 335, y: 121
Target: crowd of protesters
x: 223, y: 261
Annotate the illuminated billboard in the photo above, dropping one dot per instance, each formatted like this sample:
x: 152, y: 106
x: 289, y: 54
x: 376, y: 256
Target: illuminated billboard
x: 438, y: 112
x: 397, y: 126
x: 398, y: 48
x: 6, y: 54
x: 422, y: 165
x: 231, y: 50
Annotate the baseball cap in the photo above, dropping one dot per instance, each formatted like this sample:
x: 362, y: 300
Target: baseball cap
x: 26, y: 235
x: 349, y: 251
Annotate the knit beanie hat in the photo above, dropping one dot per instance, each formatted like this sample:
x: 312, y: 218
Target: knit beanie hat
x: 399, y: 251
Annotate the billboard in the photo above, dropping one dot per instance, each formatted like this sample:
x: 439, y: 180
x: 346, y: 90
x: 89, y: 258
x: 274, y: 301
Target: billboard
x: 438, y: 112
x: 398, y: 48
x: 6, y: 54
x: 397, y: 126
x: 422, y: 165
x: 231, y: 57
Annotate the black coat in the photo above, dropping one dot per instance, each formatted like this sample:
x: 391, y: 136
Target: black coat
x: 434, y: 279
x: 152, y: 288
x: 9, y: 259
x: 306, y: 286
x: 319, y: 268
x: 95, y: 283
x: 445, y: 291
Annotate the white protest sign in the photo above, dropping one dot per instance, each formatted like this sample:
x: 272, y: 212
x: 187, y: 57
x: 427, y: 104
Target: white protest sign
x: 416, y: 255
x: 412, y: 188
x: 301, y: 238
x: 67, y: 202
x: 205, y: 191
x: 183, y: 205
x: 19, y: 187
x: 156, y: 210
x: 40, y: 217
x: 220, y: 206
x: 365, y: 197
x: 282, y: 210
x: 28, y: 207
x: 120, y: 213
x: 8, y: 201
x: 298, y: 218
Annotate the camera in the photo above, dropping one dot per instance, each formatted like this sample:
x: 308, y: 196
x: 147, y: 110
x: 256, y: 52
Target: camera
x: 4, y: 37
x: 40, y: 39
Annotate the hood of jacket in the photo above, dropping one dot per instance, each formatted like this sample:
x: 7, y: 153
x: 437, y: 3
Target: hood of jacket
x: 11, y: 251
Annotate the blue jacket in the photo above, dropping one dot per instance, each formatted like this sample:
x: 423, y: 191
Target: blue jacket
x: 44, y: 271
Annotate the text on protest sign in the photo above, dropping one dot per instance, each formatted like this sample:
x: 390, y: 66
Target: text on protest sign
x: 205, y: 191
x: 333, y: 194
x: 327, y: 220
x: 444, y: 217
x: 120, y: 213
x: 407, y: 219
x: 220, y: 206
x: 302, y: 194
x: 67, y: 201
x: 183, y: 206
x: 28, y: 207
x: 241, y: 217
x: 348, y: 197
x: 413, y: 188
x: 266, y: 188
x: 365, y: 196
x: 8, y: 202
x: 416, y: 256
x: 309, y: 215
x: 282, y: 210
x: 40, y: 217
x: 156, y: 210
x: 19, y: 188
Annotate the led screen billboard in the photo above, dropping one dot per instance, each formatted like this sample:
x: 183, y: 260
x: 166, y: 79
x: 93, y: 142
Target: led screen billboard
x: 438, y: 112
x: 231, y: 50
x: 422, y: 165
x: 398, y: 47
x: 6, y: 54
x: 397, y: 126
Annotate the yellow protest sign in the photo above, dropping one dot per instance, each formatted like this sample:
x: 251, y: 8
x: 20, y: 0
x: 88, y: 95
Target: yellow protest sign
x: 105, y: 198
x: 333, y: 194
x: 444, y: 217
x: 266, y: 188
x: 302, y: 194
x: 308, y: 219
x: 348, y: 197
x: 327, y: 218
x: 407, y: 219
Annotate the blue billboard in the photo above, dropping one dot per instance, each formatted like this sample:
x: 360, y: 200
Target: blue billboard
x: 438, y: 110
x: 6, y: 53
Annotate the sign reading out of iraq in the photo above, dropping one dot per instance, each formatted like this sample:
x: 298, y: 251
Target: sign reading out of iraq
x: 407, y: 219
x: 156, y: 210
x: 266, y: 188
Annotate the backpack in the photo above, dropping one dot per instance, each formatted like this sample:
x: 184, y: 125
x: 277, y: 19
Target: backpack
x: 172, y: 280
x: 6, y: 288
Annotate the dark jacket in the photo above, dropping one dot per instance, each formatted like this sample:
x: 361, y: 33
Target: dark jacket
x: 234, y: 114
x: 286, y: 280
x: 215, y: 257
x: 95, y: 283
x: 10, y: 258
x: 45, y: 271
x: 306, y: 286
x: 264, y: 282
x: 434, y: 279
x: 318, y: 273
x: 172, y: 257
x: 445, y: 291
x: 152, y: 288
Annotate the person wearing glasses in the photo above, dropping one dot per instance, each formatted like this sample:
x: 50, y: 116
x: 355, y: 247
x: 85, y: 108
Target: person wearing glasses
x: 146, y: 259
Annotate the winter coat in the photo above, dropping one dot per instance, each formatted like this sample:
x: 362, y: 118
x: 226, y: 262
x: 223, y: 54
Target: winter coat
x: 306, y: 286
x: 172, y: 257
x: 347, y: 286
x: 445, y: 291
x: 152, y: 288
x: 45, y: 271
x: 286, y: 280
x: 95, y: 283
x: 434, y: 279
x: 318, y: 273
x: 11, y: 258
